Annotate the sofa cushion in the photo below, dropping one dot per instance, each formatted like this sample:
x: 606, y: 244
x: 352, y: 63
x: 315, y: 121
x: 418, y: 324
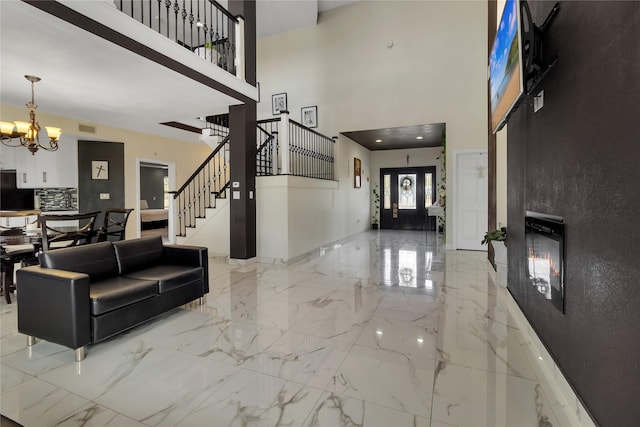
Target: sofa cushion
x: 97, y: 260
x: 169, y: 277
x: 137, y: 254
x: 118, y: 292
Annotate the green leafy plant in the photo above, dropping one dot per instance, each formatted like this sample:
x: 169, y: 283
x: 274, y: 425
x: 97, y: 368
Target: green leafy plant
x: 376, y: 204
x: 499, y: 235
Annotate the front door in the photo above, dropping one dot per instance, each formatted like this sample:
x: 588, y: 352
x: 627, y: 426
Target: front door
x: 406, y: 195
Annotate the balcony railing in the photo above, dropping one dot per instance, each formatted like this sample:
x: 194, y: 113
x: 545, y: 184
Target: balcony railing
x: 202, y: 26
x: 285, y: 147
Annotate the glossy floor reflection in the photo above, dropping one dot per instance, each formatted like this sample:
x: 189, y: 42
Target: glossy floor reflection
x: 384, y: 329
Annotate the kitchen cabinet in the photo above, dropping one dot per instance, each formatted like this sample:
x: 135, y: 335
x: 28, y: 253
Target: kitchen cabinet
x: 8, y: 157
x: 49, y: 169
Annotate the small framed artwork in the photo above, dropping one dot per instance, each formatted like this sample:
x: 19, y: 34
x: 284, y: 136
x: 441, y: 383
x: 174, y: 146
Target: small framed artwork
x: 357, y: 173
x: 279, y: 103
x: 309, y: 116
x: 99, y: 169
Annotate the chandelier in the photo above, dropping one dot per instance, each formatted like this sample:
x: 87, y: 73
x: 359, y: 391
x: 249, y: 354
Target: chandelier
x: 26, y: 134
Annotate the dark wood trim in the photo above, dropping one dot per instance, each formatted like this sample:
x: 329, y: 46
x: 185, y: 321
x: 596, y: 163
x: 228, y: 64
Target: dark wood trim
x: 182, y: 126
x: 71, y: 16
x: 491, y: 194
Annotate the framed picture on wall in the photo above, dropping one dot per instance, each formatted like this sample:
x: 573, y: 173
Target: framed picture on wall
x: 278, y: 103
x: 99, y: 169
x: 309, y: 116
x: 357, y: 173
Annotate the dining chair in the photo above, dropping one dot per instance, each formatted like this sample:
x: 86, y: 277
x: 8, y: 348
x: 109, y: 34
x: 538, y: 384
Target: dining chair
x: 115, y: 223
x: 16, y: 248
x: 61, y: 231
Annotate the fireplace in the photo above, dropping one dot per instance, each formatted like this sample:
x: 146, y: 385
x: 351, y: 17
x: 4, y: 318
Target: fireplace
x: 544, y: 235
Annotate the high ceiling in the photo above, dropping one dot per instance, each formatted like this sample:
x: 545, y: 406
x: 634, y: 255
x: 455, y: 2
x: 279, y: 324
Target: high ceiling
x: 90, y: 79
x: 96, y: 82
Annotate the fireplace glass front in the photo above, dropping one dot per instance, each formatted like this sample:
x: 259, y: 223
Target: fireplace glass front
x: 545, y: 237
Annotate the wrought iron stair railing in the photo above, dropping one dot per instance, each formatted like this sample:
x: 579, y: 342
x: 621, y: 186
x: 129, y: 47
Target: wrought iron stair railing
x: 207, y: 184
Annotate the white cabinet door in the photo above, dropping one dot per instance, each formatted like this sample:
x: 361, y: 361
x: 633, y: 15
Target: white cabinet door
x: 37, y: 170
x: 8, y: 157
x: 67, y: 162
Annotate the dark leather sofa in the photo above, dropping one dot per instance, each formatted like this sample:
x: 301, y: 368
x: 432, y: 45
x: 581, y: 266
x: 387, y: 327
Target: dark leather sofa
x: 85, y: 294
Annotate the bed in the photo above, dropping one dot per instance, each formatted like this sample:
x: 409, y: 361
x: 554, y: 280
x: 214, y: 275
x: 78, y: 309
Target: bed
x: 151, y: 219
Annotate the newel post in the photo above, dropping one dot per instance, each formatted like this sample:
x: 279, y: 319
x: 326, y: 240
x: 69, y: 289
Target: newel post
x: 240, y: 43
x: 283, y: 134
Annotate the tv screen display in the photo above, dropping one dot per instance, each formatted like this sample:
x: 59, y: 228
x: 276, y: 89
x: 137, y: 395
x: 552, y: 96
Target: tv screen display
x: 506, y: 84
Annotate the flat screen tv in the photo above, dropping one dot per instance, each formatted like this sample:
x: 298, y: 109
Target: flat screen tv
x: 506, y: 78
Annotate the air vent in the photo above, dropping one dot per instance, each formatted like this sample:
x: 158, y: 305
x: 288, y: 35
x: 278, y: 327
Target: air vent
x: 86, y: 128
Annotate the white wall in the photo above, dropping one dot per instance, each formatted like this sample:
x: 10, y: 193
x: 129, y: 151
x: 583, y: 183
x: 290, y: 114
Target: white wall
x: 501, y: 178
x: 435, y: 72
x: 292, y: 213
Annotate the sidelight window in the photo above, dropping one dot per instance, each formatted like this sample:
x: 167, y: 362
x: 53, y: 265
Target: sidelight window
x: 387, y: 192
x: 428, y: 189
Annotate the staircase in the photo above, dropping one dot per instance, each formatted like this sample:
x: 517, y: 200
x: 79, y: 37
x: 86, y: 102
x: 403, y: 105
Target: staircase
x: 284, y: 147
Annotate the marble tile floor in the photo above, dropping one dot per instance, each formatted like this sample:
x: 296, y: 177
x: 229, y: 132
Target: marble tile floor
x: 384, y: 329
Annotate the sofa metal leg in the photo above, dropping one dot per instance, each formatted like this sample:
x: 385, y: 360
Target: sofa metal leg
x: 30, y: 340
x: 202, y: 300
x: 80, y: 354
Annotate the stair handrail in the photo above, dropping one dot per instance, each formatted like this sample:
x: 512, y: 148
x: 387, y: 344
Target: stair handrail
x: 202, y: 166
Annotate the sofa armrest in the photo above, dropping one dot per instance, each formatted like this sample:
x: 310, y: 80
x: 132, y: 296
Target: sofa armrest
x: 54, y: 305
x: 195, y: 256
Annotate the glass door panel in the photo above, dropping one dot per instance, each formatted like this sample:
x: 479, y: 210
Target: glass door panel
x: 407, y: 191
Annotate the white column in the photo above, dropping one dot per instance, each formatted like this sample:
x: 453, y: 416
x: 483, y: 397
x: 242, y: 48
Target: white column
x: 283, y: 137
x: 239, y: 59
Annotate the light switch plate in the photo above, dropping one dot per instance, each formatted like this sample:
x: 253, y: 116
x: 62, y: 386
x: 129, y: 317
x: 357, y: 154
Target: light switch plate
x: 538, y: 101
x: 236, y: 195
x: 105, y: 196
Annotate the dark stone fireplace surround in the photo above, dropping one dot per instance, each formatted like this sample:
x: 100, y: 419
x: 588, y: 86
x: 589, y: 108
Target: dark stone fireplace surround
x: 578, y: 158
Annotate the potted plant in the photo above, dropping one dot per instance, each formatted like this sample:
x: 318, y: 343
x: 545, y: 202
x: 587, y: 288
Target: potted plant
x: 498, y: 239
x: 376, y: 205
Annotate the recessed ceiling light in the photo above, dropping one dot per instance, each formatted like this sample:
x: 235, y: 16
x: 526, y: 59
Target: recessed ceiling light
x: 418, y: 137
x: 378, y: 140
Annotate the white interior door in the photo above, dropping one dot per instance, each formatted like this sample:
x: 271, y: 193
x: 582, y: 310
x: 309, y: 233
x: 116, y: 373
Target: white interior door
x: 471, y: 190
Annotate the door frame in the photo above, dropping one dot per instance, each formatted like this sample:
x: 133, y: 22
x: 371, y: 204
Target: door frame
x: 171, y: 173
x: 453, y: 244
x: 419, y: 170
